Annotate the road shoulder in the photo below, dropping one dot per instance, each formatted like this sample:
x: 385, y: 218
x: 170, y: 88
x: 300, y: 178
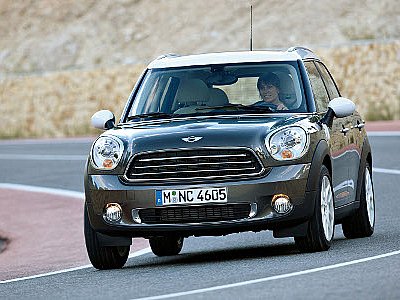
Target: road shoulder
x: 44, y: 233
x: 393, y: 125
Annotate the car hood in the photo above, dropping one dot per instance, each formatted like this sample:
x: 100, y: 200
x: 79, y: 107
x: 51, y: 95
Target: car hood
x: 237, y: 131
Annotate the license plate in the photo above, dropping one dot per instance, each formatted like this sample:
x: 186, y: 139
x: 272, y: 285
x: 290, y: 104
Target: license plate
x: 191, y: 196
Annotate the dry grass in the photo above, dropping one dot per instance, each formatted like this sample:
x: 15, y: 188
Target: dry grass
x: 368, y: 75
x: 61, y: 104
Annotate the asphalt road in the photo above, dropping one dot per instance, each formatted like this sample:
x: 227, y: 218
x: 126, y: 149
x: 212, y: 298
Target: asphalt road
x: 247, y: 265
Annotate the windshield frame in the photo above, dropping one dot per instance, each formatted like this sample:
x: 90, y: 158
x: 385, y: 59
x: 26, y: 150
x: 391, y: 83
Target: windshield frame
x: 297, y: 64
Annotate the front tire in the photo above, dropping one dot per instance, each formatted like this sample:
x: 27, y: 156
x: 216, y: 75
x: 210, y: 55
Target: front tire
x: 102, y: 257
x: 166, y: 246
x: 321, y: 226
x: 362, y: 223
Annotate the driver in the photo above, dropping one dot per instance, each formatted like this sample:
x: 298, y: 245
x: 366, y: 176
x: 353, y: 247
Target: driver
x: 268, y: 86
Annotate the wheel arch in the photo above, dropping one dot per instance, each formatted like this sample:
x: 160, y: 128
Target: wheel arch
x: 327, y: 163
x: 369, y: 158
x: 366, y: 157
x: 321, y: 157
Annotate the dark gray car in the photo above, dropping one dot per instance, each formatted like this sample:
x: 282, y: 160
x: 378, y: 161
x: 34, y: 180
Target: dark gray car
x: 221, y: 143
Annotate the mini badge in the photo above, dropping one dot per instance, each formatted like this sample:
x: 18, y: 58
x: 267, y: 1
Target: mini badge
x: 192, y: 139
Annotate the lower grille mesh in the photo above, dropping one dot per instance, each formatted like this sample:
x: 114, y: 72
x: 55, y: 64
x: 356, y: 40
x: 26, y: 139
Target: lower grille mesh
x: 194, y: 214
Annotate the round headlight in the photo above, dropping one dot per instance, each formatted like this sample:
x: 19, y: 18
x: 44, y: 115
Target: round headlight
x: 288, y: 143
x: 107, y: 152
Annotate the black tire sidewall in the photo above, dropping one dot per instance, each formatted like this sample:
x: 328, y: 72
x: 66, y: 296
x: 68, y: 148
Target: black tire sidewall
x: 102, y: 257
x: 166, y: 246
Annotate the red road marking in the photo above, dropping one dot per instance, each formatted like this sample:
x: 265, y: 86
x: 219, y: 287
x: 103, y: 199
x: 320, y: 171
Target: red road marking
x: 383, y: 125
x: 45, y: 233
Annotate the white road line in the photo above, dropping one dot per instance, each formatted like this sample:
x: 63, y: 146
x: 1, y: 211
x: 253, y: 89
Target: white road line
x: 386, y: 171
x: 4, y: 156
x: 383, y: 133
x: 37, y: 189
x: 134, y: 254
x: 271, y: 278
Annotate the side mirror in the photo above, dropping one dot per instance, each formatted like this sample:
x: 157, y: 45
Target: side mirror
x: 339, y: 107
x: 103, y: 119
x: 342, y: 107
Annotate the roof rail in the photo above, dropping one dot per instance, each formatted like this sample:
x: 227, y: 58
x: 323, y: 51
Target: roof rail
x: 304, y: 52
x: 167, y: 55
x: 291, y: 49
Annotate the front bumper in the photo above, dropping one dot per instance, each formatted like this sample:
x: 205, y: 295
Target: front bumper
x: 290, y: 180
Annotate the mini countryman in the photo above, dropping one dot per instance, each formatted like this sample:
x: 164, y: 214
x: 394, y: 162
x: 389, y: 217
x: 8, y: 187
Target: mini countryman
x: 221, y: 143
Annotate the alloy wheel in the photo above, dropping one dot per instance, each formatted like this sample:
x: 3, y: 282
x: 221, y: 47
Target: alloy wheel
x: 369, y: 198
x: 327, y: 209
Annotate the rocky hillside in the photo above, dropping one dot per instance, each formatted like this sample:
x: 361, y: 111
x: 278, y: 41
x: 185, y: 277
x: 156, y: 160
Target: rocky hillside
x: 48, y: 35
x: 60, y: 61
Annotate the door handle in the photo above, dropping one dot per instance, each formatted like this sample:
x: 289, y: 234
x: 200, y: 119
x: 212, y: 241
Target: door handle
x: 359, y: 126
x: 345, y: 130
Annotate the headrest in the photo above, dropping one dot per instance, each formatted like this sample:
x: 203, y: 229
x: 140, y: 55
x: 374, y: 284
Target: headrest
x: 192, y: 90
x: 287, y: 93
x: 217, y: 97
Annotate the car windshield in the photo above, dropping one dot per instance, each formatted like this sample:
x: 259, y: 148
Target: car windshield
x: 256, y: 88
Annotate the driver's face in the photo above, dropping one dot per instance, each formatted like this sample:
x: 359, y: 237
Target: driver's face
x: 269, y: 92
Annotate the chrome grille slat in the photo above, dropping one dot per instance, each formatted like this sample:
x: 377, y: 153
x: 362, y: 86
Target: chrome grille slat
x: 198, y: 178
x: 193, y: 165
x: 184, y: 165
x: 190, y: 157
x: 196, y: 171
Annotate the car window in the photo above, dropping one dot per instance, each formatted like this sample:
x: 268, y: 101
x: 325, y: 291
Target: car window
x: 320, y: 94
x: 196, y: 90
x: 244, y: 91
x: 328, y: 80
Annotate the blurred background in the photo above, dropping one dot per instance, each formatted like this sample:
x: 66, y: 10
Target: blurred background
x: 61, y: 61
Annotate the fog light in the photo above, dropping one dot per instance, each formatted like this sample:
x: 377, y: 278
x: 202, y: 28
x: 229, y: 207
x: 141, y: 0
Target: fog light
x: 281, y: 204
x: 113, y: 212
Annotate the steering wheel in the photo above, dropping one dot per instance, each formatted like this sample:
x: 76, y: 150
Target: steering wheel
x: 265, y: 104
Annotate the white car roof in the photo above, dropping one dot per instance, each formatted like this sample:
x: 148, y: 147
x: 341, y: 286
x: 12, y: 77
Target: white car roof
x: 171, y: 61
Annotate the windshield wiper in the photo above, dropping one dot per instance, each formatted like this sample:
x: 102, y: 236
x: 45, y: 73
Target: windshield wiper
x: 239, y: 107
x: 151, y: 115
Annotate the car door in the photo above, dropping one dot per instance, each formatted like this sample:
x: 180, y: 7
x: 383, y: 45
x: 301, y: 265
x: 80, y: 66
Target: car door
x: 354, y: 124
x: 339, y: 137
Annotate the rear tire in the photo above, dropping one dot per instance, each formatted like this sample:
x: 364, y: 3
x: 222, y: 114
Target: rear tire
x: 166, y: 246
x: 362, y: 222
x: 321, y: 226
x: 101, y: 257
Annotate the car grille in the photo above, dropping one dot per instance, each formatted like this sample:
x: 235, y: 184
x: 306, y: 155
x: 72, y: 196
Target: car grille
x: 194, y: 214
x: 193, y: 164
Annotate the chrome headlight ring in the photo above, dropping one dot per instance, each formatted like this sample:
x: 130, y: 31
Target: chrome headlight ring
x: 107, y: 152
x: 288, y: 143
